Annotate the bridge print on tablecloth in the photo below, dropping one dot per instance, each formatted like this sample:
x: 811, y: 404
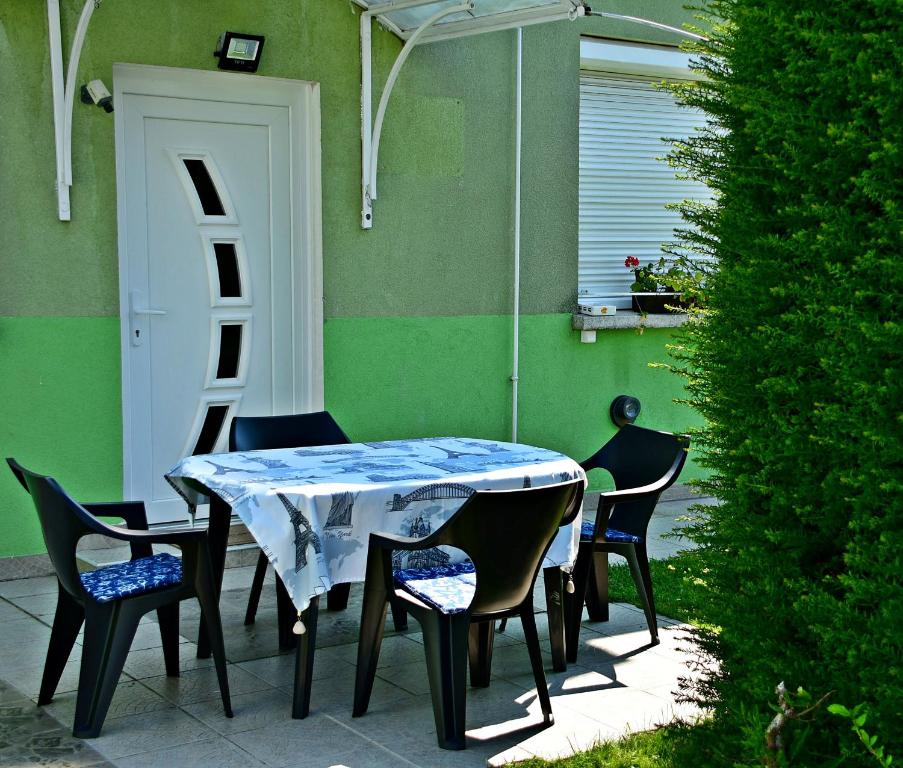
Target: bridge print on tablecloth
x: 431, y: 492
x: 423, y: 558
x: 304, y: 537
x: 419, y: 527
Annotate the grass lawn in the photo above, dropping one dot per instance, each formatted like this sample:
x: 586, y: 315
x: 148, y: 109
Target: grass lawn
x: 680, y: 592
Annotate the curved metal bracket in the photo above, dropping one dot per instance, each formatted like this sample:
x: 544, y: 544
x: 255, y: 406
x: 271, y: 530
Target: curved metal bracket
x: 370, y: 135
x: 64, y: 95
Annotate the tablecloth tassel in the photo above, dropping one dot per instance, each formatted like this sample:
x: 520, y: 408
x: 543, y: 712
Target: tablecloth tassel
x: 299, y: 628
x: 569, y: 585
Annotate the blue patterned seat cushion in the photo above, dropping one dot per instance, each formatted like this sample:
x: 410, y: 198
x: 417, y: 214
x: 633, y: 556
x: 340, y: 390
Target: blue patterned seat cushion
x: 619, y: 537
x: 134, y: 577
x: 449, y: 588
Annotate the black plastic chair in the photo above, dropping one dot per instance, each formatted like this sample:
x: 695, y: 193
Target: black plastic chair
x: 643, y: 463
x: 506, y: 534
x: 260, y: 433
x: 111, y: 600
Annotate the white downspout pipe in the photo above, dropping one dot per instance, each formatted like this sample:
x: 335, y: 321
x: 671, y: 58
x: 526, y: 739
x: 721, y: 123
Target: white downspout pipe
x: 517, y: 184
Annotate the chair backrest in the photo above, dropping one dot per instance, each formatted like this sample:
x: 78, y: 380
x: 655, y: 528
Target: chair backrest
x: 637, y: 457
x: 63, y: 522
x: 301, y: 430
x: 507, y: 534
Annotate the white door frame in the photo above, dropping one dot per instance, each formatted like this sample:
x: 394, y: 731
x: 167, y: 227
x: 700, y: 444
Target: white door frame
x: 302, y: 99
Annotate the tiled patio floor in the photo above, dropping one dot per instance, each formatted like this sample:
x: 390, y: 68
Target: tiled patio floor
x: 620, y: 683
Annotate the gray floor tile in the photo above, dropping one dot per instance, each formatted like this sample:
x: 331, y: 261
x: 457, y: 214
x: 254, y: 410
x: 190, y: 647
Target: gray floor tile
x: 148, y: 662
x: 39, y: 585
x: 196, y: 685
x: 252, y: 711
x: 336, y: 694
x: 316, y: 742
x: 498, y: 719
x: 10, y: 612
x: 210, y: 753
x: 130, y: 698
x: 137, y: 734
x: 28, y: 679
x: 280, y: 670
x: 36, y: 605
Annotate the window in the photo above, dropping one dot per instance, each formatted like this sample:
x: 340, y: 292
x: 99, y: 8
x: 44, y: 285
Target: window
x: 624, y: 182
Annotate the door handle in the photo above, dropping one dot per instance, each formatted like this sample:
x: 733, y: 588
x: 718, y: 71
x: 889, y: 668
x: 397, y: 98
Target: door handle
x: 136, y: 327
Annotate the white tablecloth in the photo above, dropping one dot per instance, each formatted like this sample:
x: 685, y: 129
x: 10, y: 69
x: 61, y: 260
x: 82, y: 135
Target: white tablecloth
x: 312, y: 509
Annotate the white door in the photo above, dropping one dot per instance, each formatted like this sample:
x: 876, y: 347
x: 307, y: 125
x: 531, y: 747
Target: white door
x: 218, y: 185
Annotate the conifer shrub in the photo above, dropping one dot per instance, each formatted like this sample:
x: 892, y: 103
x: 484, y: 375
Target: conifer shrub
x: 795, y: 363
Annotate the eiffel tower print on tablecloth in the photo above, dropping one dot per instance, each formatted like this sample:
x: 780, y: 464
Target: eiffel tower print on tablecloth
x: 304, y: 534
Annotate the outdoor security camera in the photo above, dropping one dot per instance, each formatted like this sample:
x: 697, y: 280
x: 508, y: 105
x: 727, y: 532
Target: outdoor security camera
x: 96, y: 92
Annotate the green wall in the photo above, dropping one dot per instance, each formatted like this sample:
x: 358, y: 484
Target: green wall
x: 418, y: 326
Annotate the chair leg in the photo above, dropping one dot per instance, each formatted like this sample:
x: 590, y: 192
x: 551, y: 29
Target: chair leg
x: 260, y: 573
x: 208, y: 598
x: 373, y: 622
x: 642, y: 578
x: 168, y: 618
x: 445, y: 643
x: 503, y: 625
x: 554, y: 588
x: 479, y: 649
x: 304, y: 661
x: 285, y: 616
x: 597, y: 593
x: 532, y: 638
x: 109, y: 631
x: 399, y: 616
x: 67, y: 622
x: 573, y: 603
x: 337, y: 597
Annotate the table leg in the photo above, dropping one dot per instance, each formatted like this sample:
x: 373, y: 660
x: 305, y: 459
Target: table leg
x: 217, y: 539
x: 304, y: 661
x: 552, y: 578
x: 337, y: 597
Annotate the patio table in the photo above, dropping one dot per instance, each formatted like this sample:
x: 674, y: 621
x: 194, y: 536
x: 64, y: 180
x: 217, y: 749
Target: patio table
x: 312, y: 509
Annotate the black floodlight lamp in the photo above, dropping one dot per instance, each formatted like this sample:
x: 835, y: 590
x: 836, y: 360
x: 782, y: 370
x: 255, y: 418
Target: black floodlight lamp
x: 624, y: 409
x: 238, y: 51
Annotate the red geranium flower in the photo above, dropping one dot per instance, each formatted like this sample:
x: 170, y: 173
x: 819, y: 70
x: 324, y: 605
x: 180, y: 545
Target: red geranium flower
x: 631, y: 262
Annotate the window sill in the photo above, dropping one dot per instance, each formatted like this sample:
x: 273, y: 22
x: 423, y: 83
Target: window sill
x: 624, y: 319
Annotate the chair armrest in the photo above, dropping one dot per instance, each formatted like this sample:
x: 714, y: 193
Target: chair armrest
x: 189, y: 538
x: 610, y: 498
x: 132, y: 512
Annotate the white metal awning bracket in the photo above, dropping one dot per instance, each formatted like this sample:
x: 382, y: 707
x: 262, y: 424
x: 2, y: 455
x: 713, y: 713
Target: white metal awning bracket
x: 64, y: 95
x: 371, y: 130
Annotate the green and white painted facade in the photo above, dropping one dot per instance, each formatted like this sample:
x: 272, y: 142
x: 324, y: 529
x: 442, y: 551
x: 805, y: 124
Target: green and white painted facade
x: 417, y: 336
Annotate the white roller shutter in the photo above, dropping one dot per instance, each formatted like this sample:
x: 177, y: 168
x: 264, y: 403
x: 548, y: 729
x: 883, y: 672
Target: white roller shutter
x: 624, y: 182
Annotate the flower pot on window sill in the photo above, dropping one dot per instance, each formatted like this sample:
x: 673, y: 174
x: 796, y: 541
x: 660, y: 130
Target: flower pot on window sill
x: 657, y: 303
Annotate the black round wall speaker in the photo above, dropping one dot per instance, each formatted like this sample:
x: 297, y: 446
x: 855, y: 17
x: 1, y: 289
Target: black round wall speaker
x: 624, y: 410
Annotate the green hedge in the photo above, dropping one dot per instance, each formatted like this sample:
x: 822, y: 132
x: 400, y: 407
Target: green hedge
x: 796, y: 366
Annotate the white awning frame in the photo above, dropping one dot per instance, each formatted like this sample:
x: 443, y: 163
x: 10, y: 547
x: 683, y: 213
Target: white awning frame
x: 428, y: 31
